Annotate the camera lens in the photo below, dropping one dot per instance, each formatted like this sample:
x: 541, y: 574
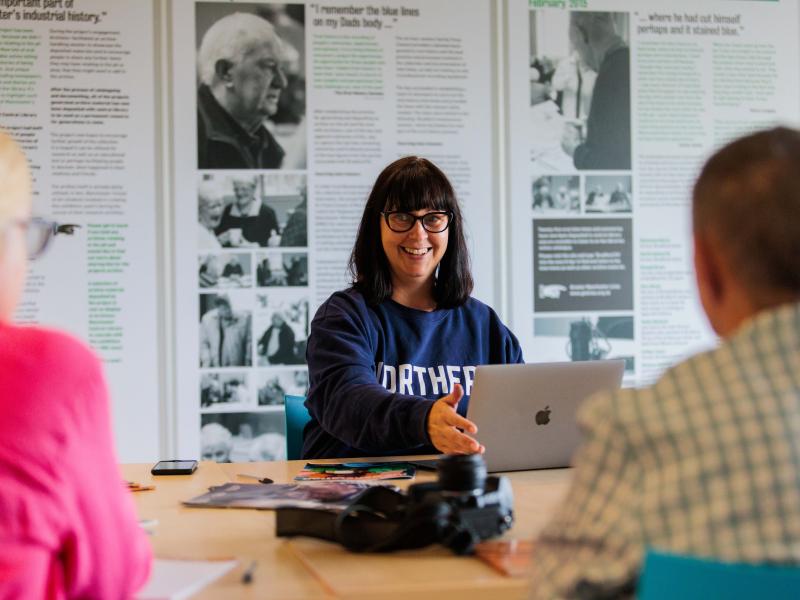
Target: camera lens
x: 461, y: 473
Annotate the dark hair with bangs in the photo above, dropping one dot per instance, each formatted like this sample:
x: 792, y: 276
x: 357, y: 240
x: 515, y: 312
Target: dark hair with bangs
x: 409, y: 184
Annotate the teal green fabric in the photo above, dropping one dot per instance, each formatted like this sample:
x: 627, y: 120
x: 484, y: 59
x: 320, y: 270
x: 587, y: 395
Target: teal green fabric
x: 668, y: 576
x: 296, y: 418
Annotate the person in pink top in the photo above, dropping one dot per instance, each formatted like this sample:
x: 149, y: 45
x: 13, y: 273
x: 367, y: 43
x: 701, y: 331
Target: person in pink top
x: 68, y: 526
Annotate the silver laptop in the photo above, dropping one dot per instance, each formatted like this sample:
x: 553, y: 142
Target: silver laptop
x: 526, y: 413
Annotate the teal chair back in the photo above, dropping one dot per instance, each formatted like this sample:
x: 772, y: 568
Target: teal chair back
x: 296, y: 418
x: 673, y: 576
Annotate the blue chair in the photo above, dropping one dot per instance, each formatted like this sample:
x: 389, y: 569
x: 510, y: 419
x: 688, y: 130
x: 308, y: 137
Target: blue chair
x: 668, y: 576
x: 296, y: 418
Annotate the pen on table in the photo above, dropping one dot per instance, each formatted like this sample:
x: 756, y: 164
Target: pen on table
x: 247, y: 576
x: 256, y: 477
x: 139, y: 487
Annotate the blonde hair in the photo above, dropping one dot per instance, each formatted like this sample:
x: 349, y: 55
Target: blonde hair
x: 15, y: 179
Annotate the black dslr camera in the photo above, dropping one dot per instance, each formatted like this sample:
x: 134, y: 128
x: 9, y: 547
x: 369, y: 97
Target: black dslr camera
x: 462, y: 508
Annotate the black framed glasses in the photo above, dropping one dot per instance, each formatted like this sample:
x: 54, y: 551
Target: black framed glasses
x: 433, y: 222
x: 38, y: 233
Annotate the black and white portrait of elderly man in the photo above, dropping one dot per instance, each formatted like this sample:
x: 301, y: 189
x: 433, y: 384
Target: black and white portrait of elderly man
x: 240, y: 84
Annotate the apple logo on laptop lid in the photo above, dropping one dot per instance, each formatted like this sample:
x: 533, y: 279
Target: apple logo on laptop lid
x: 543, y: 416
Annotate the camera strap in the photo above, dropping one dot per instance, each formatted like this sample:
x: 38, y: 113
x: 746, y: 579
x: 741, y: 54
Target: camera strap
x: 379, y: 519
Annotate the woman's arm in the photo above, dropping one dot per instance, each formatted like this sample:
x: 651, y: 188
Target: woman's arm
x: 345, y: 396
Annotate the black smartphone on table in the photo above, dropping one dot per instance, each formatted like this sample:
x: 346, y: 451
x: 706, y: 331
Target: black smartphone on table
x: 174, y: 467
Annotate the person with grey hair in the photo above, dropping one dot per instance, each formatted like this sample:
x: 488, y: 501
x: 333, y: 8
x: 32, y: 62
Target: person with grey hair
x: 240, y: 84
x: 215, y: 442
x: 209, y: 214
x: 225, y: 336
x: 606, y: 142
x: 706, y: 461
x: 250, y: 217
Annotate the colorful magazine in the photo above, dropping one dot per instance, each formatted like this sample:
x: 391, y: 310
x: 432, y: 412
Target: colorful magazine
x: 359, y: 471
x: 328, y: 496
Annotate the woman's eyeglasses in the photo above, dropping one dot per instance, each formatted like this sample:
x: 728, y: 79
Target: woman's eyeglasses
x: 433, y: 222
x: 38, y: 233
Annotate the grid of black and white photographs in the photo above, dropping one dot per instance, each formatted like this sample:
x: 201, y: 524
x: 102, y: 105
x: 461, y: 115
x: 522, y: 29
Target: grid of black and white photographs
x: 582, y: 196
x: 252, y: 245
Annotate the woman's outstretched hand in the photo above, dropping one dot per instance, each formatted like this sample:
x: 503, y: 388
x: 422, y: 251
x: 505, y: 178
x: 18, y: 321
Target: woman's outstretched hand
x: 446, y: 426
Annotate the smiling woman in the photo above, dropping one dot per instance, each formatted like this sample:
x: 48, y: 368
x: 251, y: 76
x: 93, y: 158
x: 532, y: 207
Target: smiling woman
x: 391, y: 359
x: 394, y: 219
x: 414, y: 252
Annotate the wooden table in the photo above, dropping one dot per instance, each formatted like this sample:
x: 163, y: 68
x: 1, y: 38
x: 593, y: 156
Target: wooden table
x: 310, y: 568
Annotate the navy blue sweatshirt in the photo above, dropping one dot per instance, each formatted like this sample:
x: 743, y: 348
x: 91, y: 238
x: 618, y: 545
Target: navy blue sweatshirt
x: 376, y: 370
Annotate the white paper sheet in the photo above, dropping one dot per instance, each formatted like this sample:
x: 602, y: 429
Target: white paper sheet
x: 176, y: 579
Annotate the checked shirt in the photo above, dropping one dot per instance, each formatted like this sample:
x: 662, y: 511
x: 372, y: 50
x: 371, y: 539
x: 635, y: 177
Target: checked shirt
x: 705, y: 462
